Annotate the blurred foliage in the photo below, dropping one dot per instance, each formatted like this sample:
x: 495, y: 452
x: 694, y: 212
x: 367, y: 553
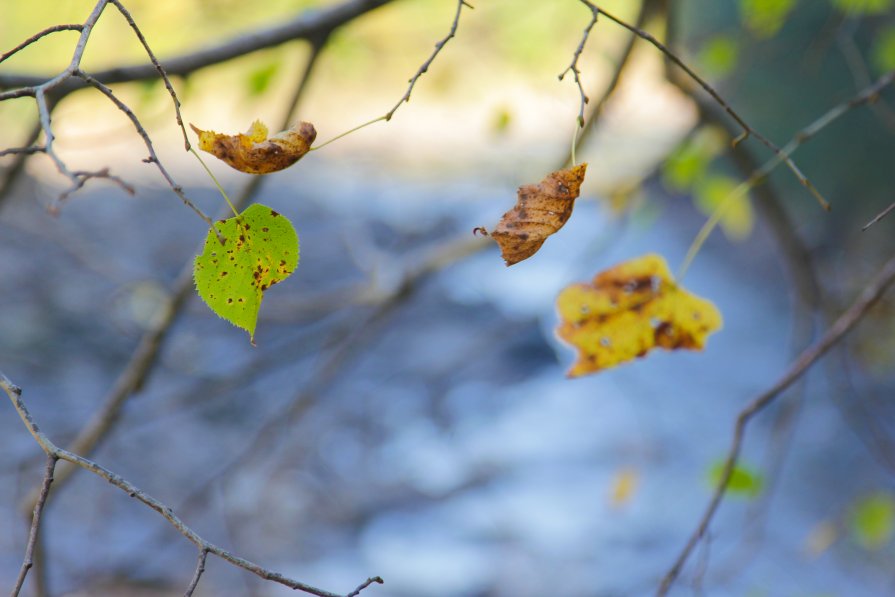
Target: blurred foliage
x: 744, y: 481
x: 859, y: 7
x: 884, y: 50
x: 719, y: 56
x: 718, y: 192
x: 872, y: 520
x: 764, y: 18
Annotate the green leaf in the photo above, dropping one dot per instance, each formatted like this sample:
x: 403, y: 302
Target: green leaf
x: 872, y: 520
x: 688, y: 163
x: 719, y: 55
x: 743, y: 481
x: 260, y: 78
x: 884, y: 50
x: 720, y: 192
x: 863, y: 7
x: 260, y: 249
x: 764, y: 18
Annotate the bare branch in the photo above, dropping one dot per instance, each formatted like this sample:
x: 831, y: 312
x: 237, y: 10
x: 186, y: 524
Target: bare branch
x: 145, y: 356
x: 573, y: 67
x: 55, y: 452
x: 153, y: 157
x: 165, y: 79
x: 364, y: 585
x: 200, y: 569
x: 747, y: 130
x: 308, y: 25
x: 28, y: 562
x: 38, y: 36
x: 879, y: 216
x: 868, y: 298
x: 425, y: 67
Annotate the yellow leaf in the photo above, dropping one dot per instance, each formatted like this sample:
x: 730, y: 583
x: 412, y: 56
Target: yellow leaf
x: 627, y: 311
x: 253, y: 152
x: 624, y: 486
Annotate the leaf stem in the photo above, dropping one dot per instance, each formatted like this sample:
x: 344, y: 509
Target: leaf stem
x: 710, y: 226
x: 214, y: 178
x: 348, y: 132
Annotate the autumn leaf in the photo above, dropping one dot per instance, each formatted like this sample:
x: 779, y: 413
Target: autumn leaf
x: 253, y: 152
x: 260, y: 249
x: 629, y: 310
x: 540, y: 210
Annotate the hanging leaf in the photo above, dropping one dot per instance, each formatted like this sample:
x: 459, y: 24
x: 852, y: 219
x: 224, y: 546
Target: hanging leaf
x: 541, y: 210
x: 260, y: 249
x: 255, y: 153
x: 629, y: 310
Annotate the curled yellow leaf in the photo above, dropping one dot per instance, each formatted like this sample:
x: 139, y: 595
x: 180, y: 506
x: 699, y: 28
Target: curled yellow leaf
x: 629, y: 310
x: 253, y: 152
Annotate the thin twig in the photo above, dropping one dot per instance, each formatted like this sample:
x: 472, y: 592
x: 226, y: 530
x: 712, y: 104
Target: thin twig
x: 376, y: 579
x: 412, y: 81
x: 28, y: 562
x: 868, y: 298
x: 879, y: 216
x: 425, y: 66
x: 307, y: 25
x: 153, y: 157
x: 38, y: 36
x: 747, y: 130
x: 801, y: 137
x: 52, y: 450
x: 162, y: 74
x: 200, y: 569
x: 573, y: 67
x: 145, y: 356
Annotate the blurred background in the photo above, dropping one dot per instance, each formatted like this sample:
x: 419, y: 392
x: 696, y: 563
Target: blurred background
x: 406, y: 412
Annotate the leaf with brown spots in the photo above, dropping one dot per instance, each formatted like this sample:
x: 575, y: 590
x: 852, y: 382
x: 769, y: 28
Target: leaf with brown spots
x: 540, y: 210
x: 255, y: 153
x: 629, y: 310
x: 260, y: 249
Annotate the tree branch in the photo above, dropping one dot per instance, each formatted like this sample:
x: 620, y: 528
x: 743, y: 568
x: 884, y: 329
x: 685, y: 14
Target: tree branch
x: 747, y: 130
x: 869, y: 297
x: 28, y: 562
x: 54, y: 452
x: 307, y: 25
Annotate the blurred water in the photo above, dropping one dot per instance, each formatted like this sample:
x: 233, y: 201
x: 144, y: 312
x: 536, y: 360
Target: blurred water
x: 450, y: 455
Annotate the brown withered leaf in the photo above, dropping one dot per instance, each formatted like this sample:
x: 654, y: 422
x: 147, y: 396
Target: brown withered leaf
x: 253, y: 152
x: 540, y: 210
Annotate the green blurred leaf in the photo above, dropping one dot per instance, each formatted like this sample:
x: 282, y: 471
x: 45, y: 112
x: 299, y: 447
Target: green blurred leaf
x: 764, y: 18
x: 259, y: 80
x: 719, y: 56
x: 863, y: 7
x: 720, y: 192
x: 743, y: 481
x: 261, y: 249
x: 884, y: 50
x: 689, y: 162
x: 872, y: 520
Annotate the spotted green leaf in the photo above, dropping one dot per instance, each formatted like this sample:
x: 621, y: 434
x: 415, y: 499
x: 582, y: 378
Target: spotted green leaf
x: 260, y: 249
